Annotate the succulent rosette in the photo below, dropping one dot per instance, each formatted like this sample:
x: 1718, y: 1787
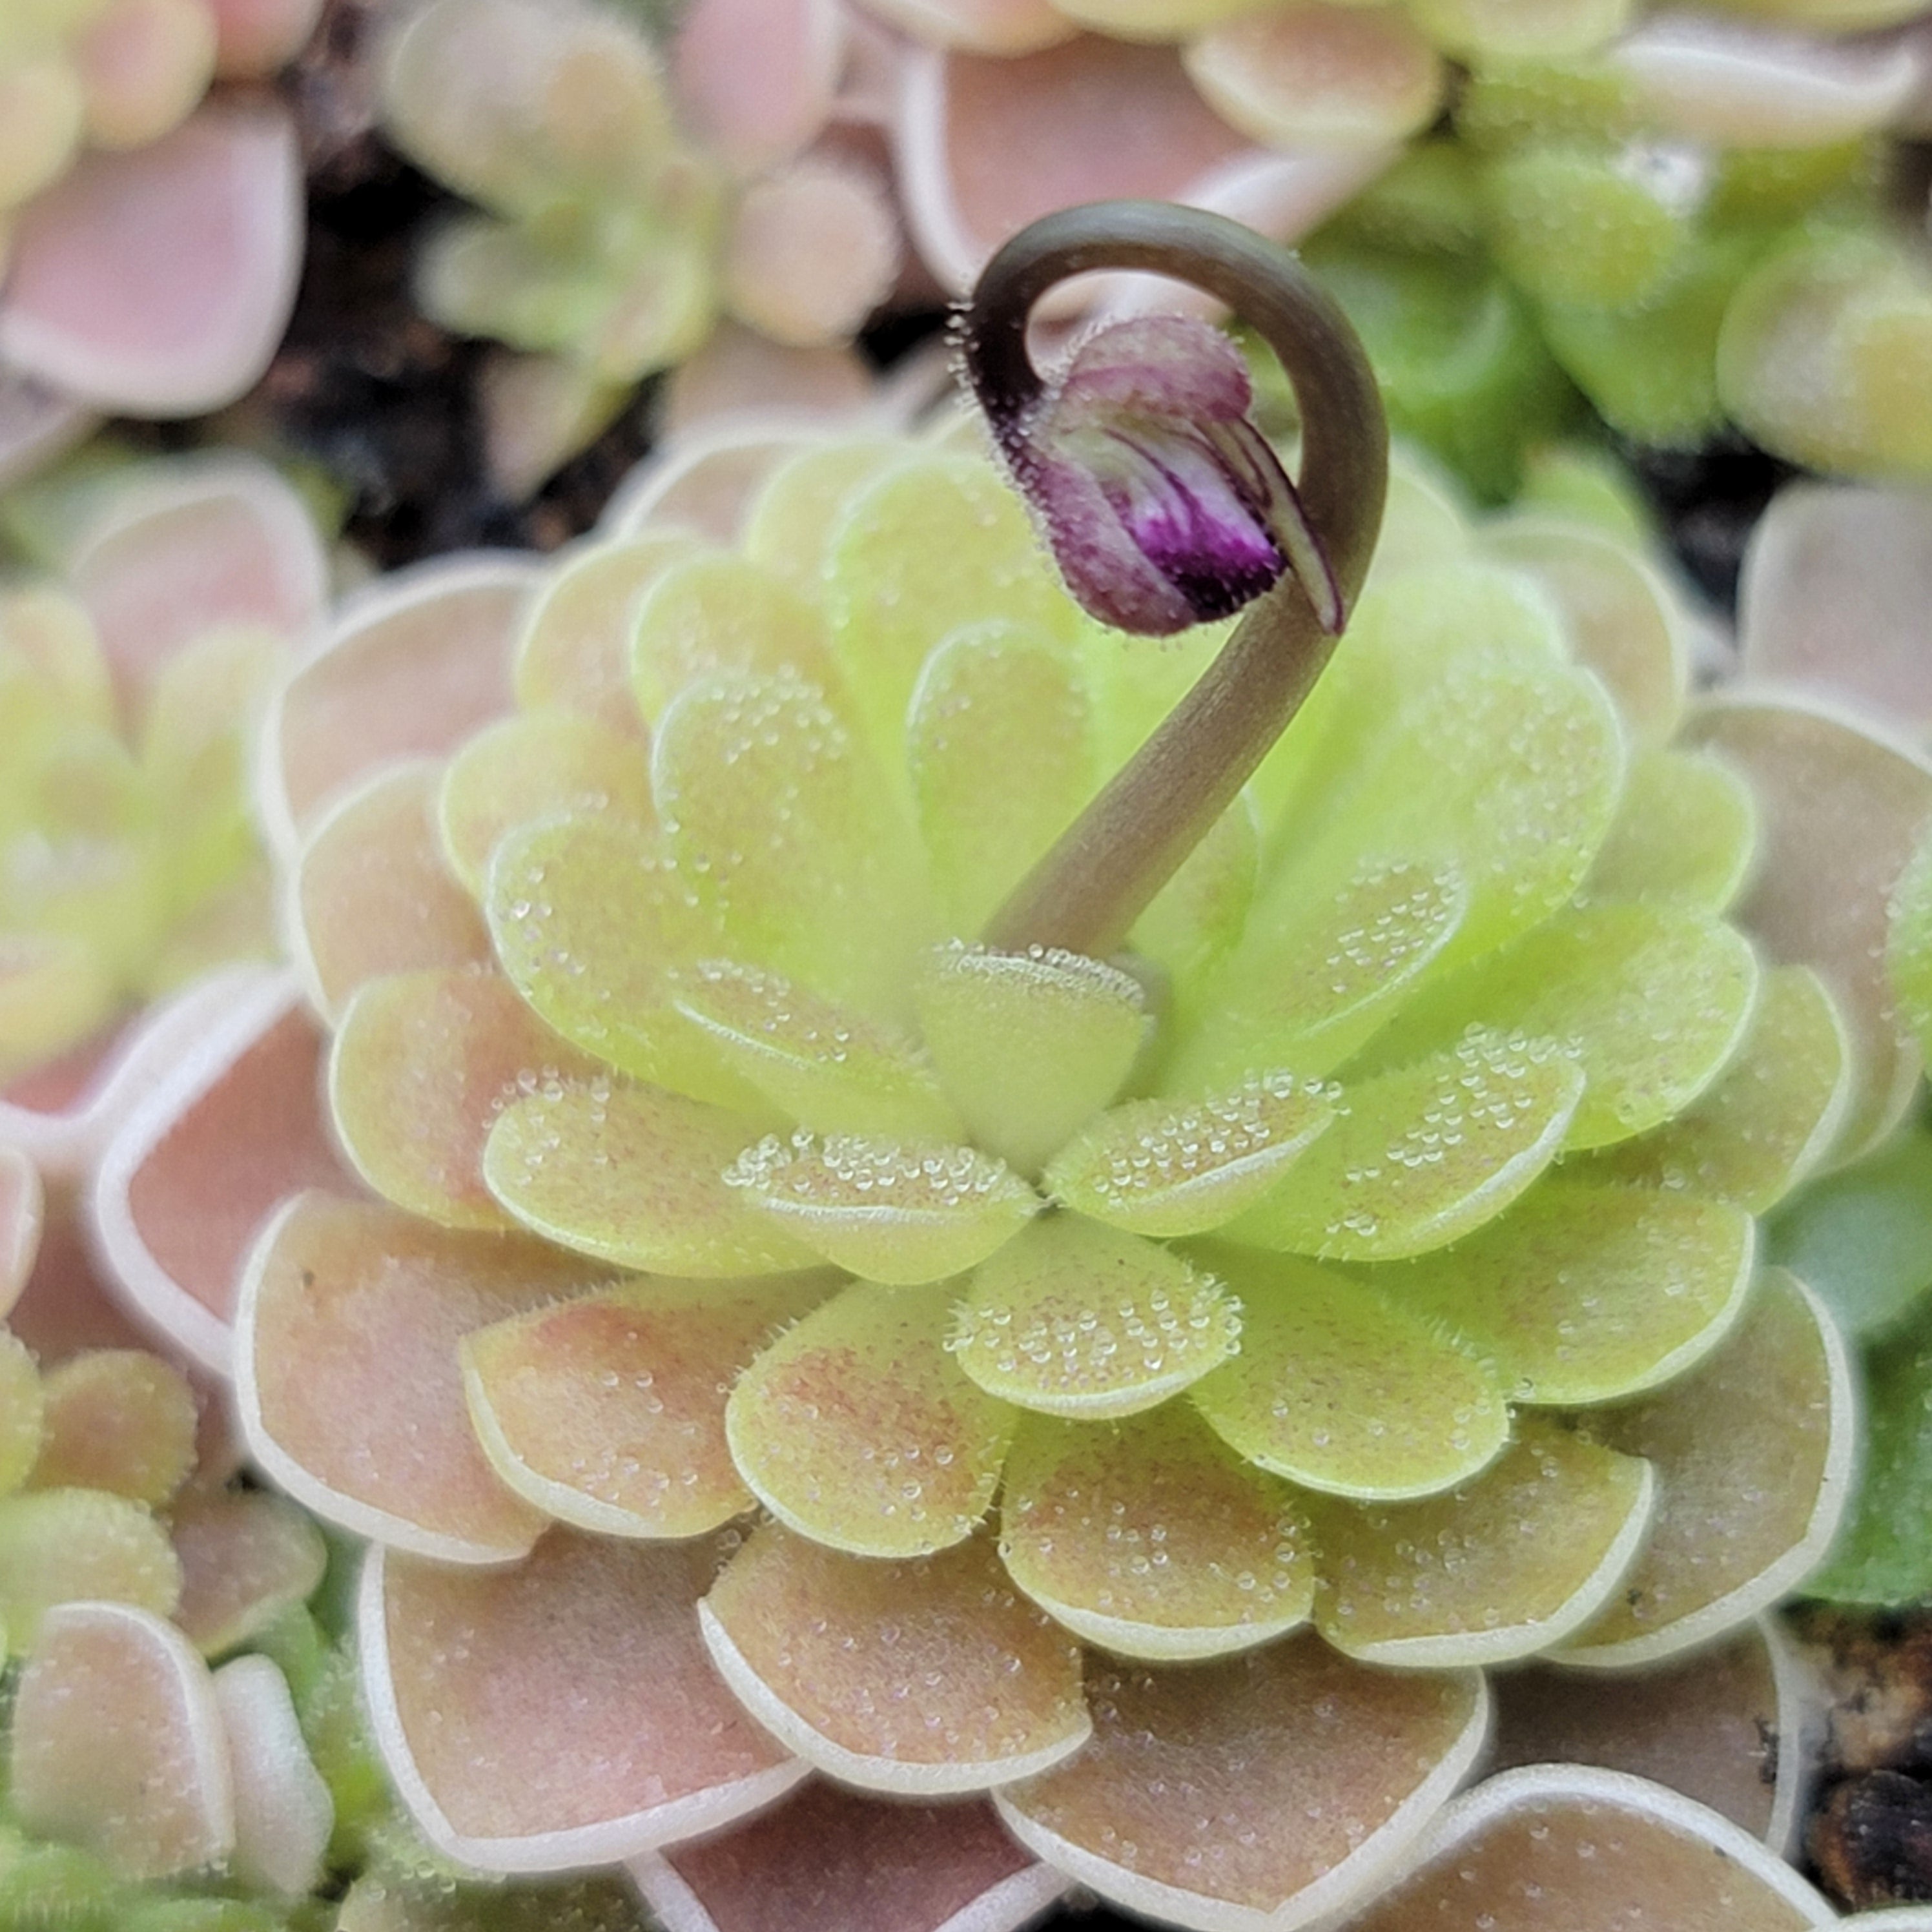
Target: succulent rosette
x: 787, y: 1307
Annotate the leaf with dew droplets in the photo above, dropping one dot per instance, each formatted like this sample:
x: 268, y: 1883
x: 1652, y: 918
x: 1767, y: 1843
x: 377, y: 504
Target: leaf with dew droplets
x: 1908, y: 946
x: 590, y: 917
x: 1339, y: 1387
x: 830, y: 1070
x: 246, y: 1557
x: 1152, y: 1538
x: 930, y: 1675
x: 718, y: 614
x: 607, y: 1412
x: 858, y: 1429
x: 1172, y: 1168
x: 1685, y: 833
x: 1420, y: 1157
x: 1028, y: 1046
x: 782, y: 824
x: 1587, y: 1294
x: 1652, y: 1001
x: 1072, y: 1318
x: 1767, y: 1120
x: 535, y: 765
x: 1308, y: 983
x: 634, y: 1175
x: 64, y: 1545
x: 20, y: 1409
x: 423, y: 1066
x: 1262, y: 1790
x: 119, y: 1420
x: 1503, y: 1566
x: 573, y: 649
x: 789, y: 523
x: 1753, y: 1450
x: 901, y: 1212
x: 999, y: 743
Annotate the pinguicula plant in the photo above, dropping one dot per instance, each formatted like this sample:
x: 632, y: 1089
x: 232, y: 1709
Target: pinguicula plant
x: 921, y: 1210
x: 632, y: 195
x: 1686, y: 216
x: 149, y: 243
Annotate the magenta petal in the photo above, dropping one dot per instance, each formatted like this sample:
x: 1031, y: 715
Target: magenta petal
x: 983, y: 146
x: 158, y: 281
x: 755, y: 77
x: 828, y: 1858
x: 232, y: 1129
x: 561, y: 1713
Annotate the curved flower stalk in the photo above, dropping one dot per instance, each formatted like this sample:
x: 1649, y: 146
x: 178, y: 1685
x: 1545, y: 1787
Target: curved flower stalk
x: 149, y: 242
x: 1683, y: 216
x: 633, y: 195
x: 1174, y: 1370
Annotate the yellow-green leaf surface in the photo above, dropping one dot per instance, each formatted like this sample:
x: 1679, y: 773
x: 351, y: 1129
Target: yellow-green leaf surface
x: 1684, y: 833
x: 935, y: 544
x: 780, y: 822
x: 1650, y: 1000
x: 421, y: 1068
x: 1504, y: 1565
x: 901, y: 1212
x: 534, y: 766
x: 590, y: 917
x: 1908, y: 952
x: 1767, y: 1120
x: 1586, y: 1294
x: 1029, y: 1045
x: 68, y: 1546
x: 1169, y: 1168
x: 1000, y: 748
x: 1313, y: 979
x: 858, y: 1429
x: 1340, y: 1387
x: 791, y: 519
x: 1151, y: 1537
x: 1420, y: 1157
x: 634, y: 1175
x: 608, y: 1411
x: 718, y: 614
x: 830, y: 1070
x: 20, y: 1410
x: 1071, y: 1318
x: 119, y: 1420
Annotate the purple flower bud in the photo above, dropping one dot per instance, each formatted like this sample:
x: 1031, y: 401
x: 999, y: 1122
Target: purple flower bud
x: 1163, y: 503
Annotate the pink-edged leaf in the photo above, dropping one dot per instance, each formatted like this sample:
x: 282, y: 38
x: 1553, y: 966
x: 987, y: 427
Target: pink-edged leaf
x: 1837, y: 578
x: 117, y: 1744
x: 814, y: 248
x: 1180, y: 1806
x: 985, y: 145
x: 1725, y: 1727
x: 246, y: 1556
x: 1840, y: 808
x: 921, y: 1676
x: 158, y: 282
x: 346, y: 1375
x: 37, y: 424
x: 233, y: 1128
x: 745, y: 377
x: 413, y: 665
x: 562, y: 1713
x: 254, y: 37
x: 175, y: 550
x: 62, y: 1111
x: 22, y: 1208
x: 754, y: 78
x: 827, y: 1858
x: 372, y: 892
x: 67, y: 1305
x: 703, y: 480
x: 1591, y: 1851
x: 980, y: 26
x: 283, y: 1813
